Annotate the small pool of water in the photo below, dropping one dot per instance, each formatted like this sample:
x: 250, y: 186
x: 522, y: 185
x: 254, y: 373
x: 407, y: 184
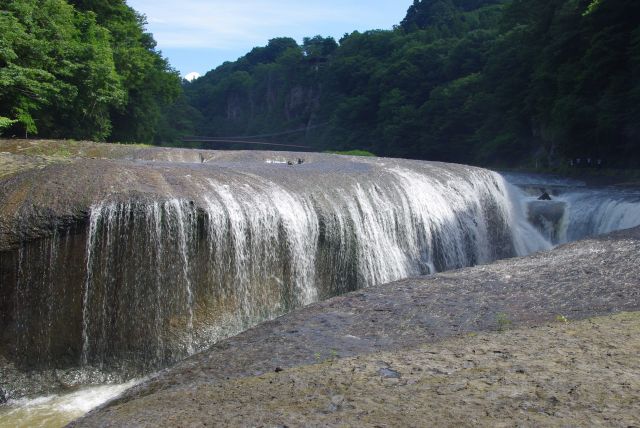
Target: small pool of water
x: 57, y: 410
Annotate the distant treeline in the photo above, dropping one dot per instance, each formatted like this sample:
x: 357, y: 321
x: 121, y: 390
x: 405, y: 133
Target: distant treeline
x: 476, y: 81
x: 83, y: 69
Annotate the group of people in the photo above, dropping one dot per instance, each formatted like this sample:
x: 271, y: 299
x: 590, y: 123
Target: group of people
x: 300, y: 162
x: 585, y: 163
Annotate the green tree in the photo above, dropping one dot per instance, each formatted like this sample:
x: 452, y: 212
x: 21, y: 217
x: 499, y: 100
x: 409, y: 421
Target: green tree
x: 80, y: 70
x: 493, y: 82
x: 149, y: 82
x: 53, y: 60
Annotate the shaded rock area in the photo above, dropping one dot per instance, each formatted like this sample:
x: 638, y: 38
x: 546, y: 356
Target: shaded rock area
x: 425, y: 327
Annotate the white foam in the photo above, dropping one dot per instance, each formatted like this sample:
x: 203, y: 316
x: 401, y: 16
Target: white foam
x: 59, y: 409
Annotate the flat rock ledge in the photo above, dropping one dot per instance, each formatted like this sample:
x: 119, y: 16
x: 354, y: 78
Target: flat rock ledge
x: 500, y: 344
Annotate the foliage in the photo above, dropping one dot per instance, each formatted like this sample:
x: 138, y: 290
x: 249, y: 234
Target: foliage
x: 5, y: 122
x: 592, y: 7
x: 503, y: 321
x: 70, y: 70
x: 493, y: 82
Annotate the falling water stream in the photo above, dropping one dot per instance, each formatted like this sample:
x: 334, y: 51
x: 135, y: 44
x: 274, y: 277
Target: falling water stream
x: 165, y: 277
x: 576, y: 210
x: 254, y: 249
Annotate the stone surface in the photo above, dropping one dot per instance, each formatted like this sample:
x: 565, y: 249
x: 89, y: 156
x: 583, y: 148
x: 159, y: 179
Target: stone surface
x: 584, y: 373
x: 402, y: 320
x: 520, y: 373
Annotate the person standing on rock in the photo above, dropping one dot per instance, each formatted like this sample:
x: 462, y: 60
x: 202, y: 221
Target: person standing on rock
x: 545, y: 196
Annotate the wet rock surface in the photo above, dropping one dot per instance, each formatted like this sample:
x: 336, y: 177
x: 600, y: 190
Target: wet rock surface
x: 47, y: 186
x: 426, y: 325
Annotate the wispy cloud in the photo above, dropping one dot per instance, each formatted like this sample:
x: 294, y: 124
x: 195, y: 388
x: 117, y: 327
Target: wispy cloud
x: 224, y: 24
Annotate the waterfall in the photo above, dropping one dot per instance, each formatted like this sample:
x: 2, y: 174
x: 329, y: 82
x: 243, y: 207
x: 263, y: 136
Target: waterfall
x: 194, y: 271
x: 529, y: 238
x: 593, y: 212
x: 576, y: 211
x: 166, y: 276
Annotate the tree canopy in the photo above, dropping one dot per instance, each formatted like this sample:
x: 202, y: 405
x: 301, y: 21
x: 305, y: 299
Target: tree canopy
x: 497, y: 82
x: 80, y: 69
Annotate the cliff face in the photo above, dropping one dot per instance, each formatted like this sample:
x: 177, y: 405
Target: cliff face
x: 252, y: 110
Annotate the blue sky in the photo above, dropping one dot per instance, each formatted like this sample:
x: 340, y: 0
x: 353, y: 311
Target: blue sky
x: 198, y: 35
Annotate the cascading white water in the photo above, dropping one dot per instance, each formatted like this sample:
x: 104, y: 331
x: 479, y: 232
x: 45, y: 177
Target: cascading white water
x: 184, y: 234
x: 94, y: 215
x: 528, y: 239
x: 209, y: 249
x: 249, y: 248
x: 57, y: 409
x: 575, y: 211
x: 594, y: 212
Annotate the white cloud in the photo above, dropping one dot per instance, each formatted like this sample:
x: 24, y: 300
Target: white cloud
x: 192, y: 76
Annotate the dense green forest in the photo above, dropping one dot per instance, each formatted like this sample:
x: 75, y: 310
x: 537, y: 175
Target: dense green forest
x: 82, y: 69
x: 490, y: 82
x: 486, y: 82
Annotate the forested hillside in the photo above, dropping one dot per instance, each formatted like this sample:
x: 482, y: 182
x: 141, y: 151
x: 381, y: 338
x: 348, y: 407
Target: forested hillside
x: 82, y: 69
x: 490, y: 82
x: 477, y: 81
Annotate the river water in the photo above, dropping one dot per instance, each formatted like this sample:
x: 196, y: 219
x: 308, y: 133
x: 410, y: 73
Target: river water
x: 57, y: 410
x: 575, y: 210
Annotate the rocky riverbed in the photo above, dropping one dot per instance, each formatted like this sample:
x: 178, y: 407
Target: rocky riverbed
x: 497, y: 344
